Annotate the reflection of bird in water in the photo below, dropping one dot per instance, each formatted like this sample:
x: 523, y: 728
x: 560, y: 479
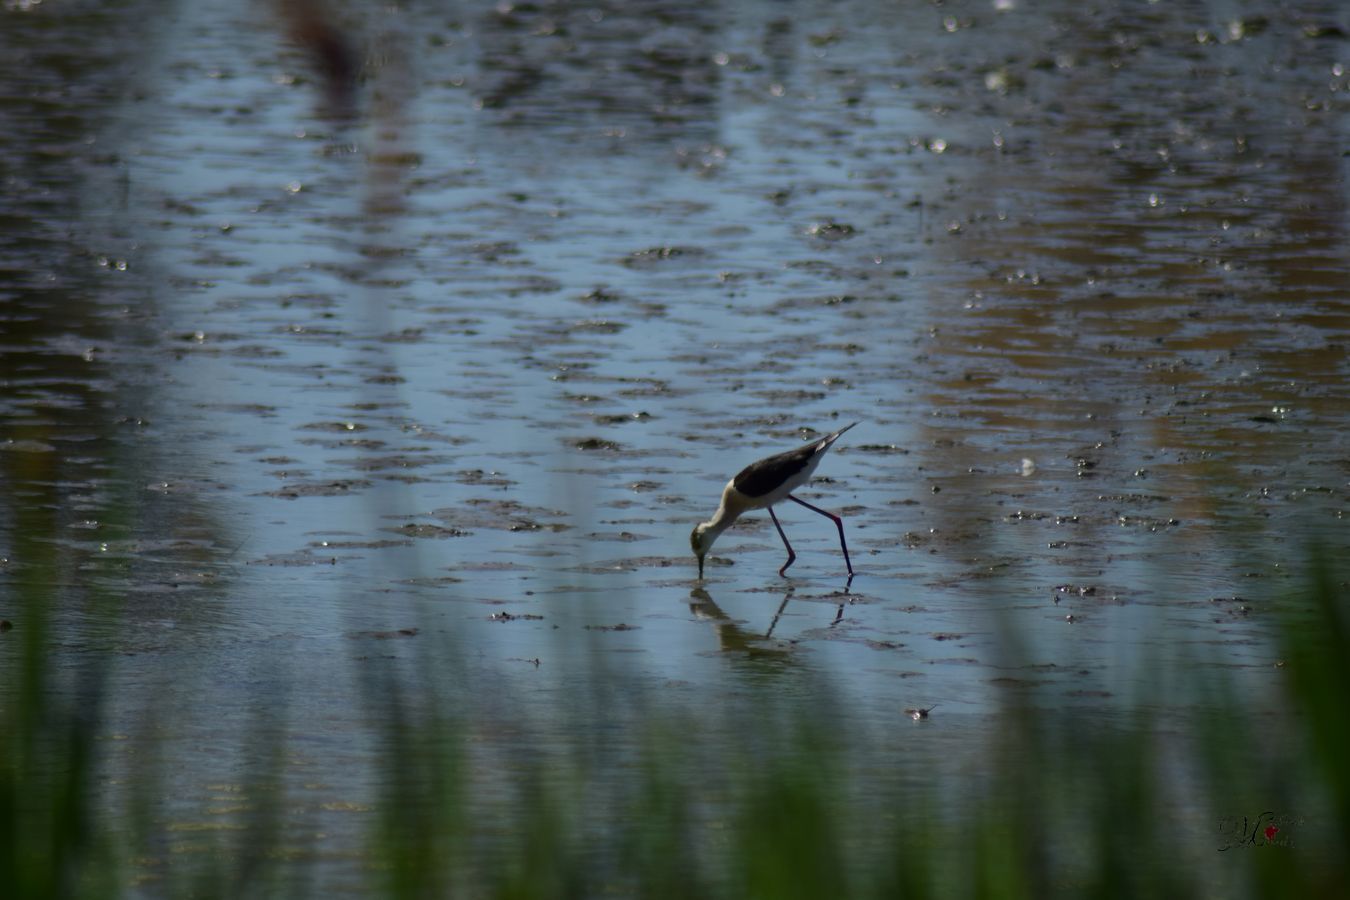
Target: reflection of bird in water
x: 732, y: 638
x: 762, y: 484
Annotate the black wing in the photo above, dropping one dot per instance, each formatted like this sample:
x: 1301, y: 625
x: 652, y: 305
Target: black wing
x: 760, y: 478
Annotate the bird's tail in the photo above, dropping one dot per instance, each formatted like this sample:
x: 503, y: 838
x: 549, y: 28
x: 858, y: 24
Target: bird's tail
x: 831, y: 438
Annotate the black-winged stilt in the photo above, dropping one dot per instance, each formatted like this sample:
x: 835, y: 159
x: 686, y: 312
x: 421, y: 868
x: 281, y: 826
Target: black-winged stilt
x: 762, y: 484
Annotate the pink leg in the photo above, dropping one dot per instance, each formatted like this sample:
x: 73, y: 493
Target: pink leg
x: 791, y: 555
x: 839, y: 523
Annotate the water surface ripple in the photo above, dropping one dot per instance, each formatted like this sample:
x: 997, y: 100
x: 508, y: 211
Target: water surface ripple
x: 301, y: 384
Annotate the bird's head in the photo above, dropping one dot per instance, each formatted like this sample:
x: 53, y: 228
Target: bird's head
x: 702, y: 542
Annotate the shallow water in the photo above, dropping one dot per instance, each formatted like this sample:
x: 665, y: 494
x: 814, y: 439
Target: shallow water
x: 306, y: 384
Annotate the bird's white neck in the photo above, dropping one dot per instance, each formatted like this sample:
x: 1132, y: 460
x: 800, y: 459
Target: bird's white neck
x: 720, y: 522
x: 728, y: 511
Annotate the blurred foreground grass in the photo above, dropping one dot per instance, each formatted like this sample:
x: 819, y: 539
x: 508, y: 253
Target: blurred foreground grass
x: 1058, y: 807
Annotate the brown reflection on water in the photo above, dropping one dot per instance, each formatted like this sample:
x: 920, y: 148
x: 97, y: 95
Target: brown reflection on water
x: 1145, y: 261
x: 78, y: 459
x: 643, y: 66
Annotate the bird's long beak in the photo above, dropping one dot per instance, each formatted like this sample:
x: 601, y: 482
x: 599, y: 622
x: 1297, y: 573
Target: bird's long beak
x: 700, y: 568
